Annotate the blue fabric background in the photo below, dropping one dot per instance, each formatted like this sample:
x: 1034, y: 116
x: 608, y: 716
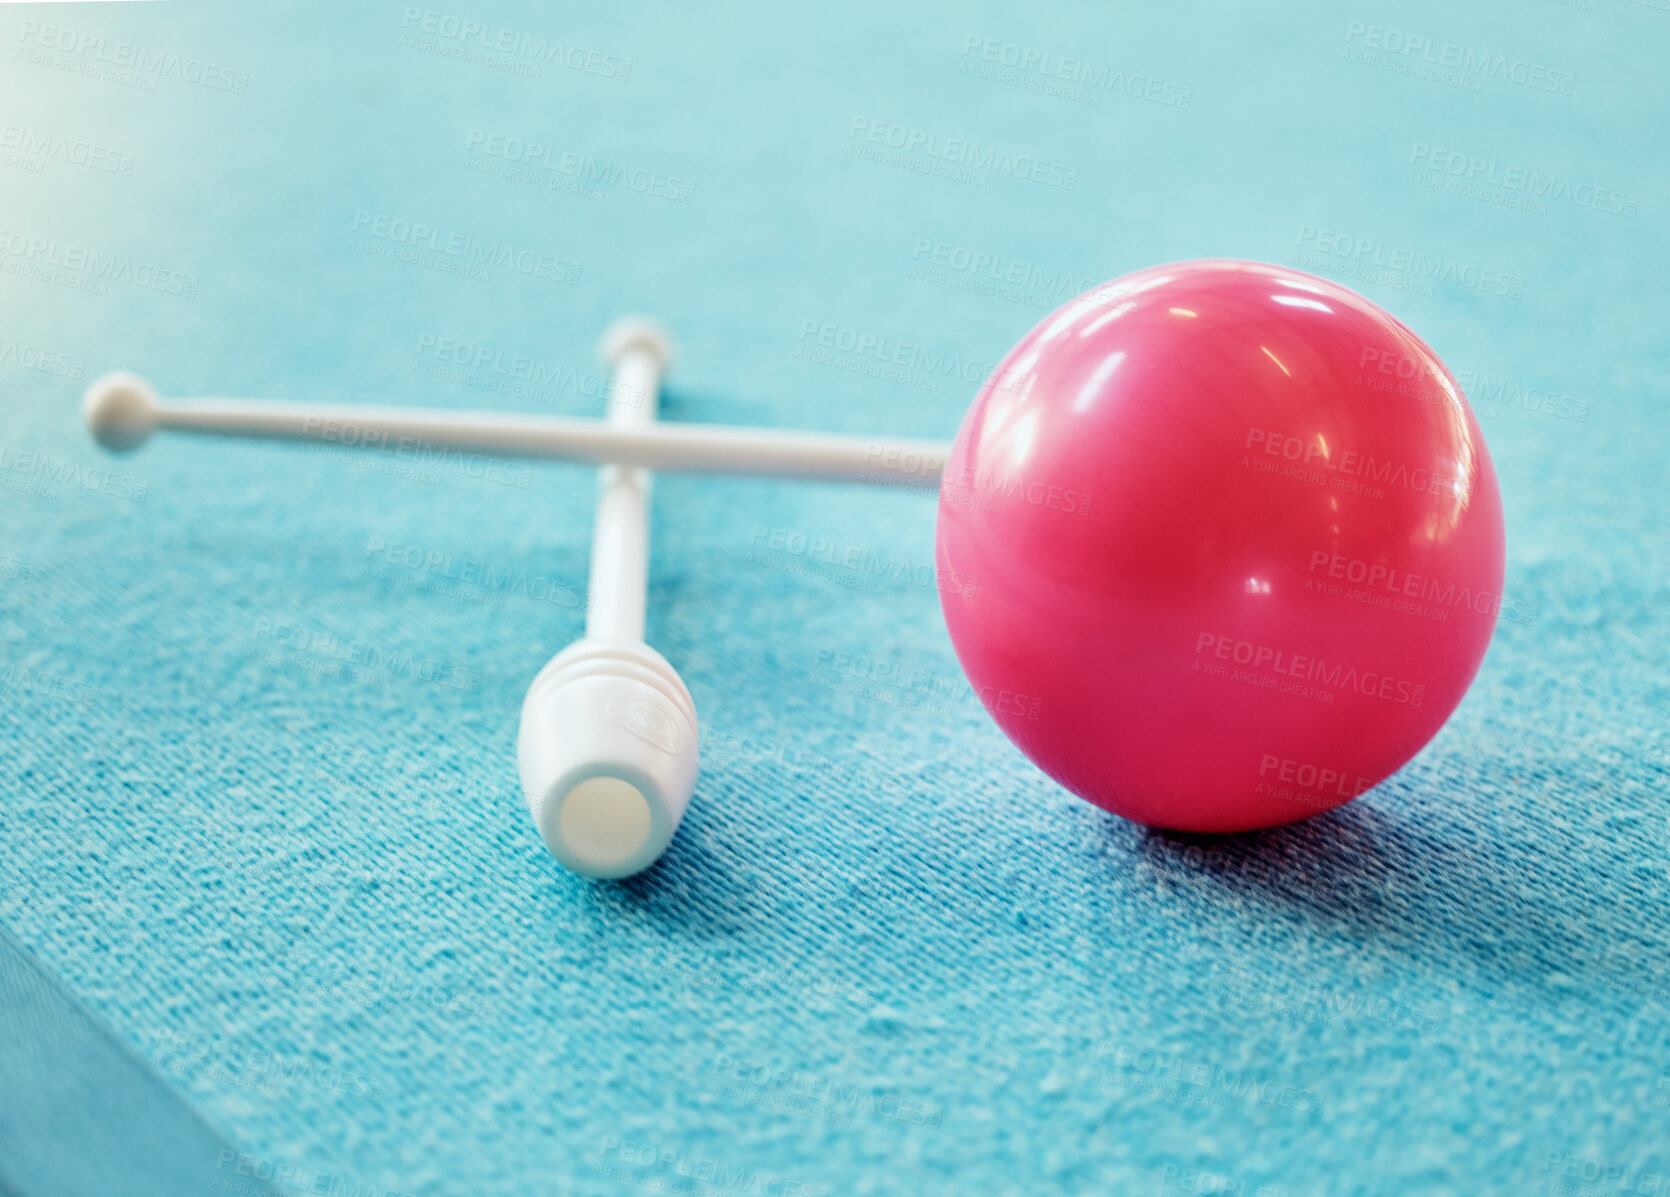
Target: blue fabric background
x: 884, y: 955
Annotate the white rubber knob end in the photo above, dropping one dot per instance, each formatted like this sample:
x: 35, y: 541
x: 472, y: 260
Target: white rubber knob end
x: 607, y: 752
x: 120, y: 410
x: 637, y: 333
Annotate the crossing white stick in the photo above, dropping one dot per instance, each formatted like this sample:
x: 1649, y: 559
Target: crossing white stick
x: 122, y: 410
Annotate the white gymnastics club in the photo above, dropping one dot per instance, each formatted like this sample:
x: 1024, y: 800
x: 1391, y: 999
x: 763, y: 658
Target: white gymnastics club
x: 122, y: 410
x: 608, y: 744
x: 607, y: 748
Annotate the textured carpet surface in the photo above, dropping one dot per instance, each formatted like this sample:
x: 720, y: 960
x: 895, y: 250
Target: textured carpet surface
x: 260, y: 808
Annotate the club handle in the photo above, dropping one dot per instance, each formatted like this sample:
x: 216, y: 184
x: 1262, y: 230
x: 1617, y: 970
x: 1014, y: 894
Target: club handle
x: 122, y: 410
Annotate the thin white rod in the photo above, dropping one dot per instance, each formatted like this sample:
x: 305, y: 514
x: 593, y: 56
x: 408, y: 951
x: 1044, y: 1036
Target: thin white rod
x: 690, y: 448
x: 620, y: 541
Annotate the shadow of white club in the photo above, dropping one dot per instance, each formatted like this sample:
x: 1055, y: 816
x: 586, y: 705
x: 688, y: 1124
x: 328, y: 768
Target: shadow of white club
x: 607, y: 748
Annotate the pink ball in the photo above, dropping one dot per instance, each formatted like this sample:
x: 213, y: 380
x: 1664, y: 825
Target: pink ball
x: 1228, y: 545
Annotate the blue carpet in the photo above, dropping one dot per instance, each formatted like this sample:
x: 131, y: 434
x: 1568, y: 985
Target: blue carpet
x: 260, y: 811
x: 83, y: 1114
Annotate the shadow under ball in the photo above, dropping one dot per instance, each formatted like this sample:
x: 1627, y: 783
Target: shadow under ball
x: 1236, y: 545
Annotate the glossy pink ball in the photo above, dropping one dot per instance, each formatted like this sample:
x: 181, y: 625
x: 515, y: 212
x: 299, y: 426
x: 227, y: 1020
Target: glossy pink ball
x: 1232, y: 545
